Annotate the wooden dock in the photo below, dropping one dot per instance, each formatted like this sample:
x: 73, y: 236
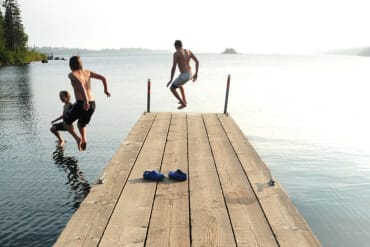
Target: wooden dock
x: 226, y: 200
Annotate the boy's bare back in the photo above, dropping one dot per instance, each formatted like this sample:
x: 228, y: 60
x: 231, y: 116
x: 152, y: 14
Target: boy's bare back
x: 182, y: 57
x: 81, y: 83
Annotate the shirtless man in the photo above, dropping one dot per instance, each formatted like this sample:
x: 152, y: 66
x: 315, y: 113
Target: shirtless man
x: 84, y: 106
x: 182, y: 58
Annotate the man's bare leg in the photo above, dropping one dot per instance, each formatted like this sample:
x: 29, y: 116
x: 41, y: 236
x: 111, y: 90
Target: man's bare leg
x: 57, y: 134
x: 182, y: 91
x: 83, y: 137
x: 175, y: 93
x: 71, y: 130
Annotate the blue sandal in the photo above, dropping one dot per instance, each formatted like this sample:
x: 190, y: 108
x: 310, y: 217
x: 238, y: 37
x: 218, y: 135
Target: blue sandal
x: 177, y: 175
x: 153, y: 175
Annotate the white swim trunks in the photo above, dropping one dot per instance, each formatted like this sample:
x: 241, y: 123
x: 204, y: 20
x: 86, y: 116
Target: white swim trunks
x: 181, y: 79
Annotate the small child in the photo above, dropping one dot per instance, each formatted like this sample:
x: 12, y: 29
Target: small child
x: 65, y: 97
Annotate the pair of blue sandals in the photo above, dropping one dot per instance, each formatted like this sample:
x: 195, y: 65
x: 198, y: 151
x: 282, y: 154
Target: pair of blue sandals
x: 157, y: 176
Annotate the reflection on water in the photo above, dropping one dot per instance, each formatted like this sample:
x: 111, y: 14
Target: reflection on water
x: 77, y: 182
x: 15, y: 94
x: 16, y: 106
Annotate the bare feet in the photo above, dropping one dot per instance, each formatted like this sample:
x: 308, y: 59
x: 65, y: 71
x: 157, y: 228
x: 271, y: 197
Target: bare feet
x: 79, y: 144
x: 181, y: 106
x: 61, y: 143
x: 83, y: 146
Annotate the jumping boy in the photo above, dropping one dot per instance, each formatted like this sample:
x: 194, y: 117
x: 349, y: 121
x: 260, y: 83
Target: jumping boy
x: 84, y: 106
x: 182, y: 58
x: 65, y: 97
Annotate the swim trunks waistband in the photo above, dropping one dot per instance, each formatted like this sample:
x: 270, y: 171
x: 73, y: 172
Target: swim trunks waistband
x: 81, y: 101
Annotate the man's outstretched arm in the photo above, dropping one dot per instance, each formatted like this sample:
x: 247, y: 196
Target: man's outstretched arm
x: 104, y: 81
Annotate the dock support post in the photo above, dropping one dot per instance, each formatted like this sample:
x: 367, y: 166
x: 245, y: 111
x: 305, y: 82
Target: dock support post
x: 148, y: 99
x: 227, y: 94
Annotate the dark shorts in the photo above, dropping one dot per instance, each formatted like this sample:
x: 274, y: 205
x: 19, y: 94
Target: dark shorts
x: 59, y: 127
x: 77, y: 111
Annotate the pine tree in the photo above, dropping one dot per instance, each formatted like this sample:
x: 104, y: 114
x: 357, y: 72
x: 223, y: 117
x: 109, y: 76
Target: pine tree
x: 2, y: 39
x: 15, y: 37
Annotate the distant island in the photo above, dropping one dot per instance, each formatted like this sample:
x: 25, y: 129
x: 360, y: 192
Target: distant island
x: 358, y: 51
x: 230, y: 51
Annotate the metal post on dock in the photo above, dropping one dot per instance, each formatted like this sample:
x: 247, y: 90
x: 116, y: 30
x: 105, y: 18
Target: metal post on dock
x: 148, y: 99
x: 227, y: 94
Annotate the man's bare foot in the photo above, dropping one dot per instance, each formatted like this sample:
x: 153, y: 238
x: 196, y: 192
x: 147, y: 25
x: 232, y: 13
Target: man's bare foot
x: 181, y: 107
x: 83, y: 146
x: 79, y: 144
x: 61, y: 144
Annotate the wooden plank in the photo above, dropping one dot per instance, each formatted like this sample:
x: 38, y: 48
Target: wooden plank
x: 288, y: 225
x: 210, y: 224
x: 88, y: 223
x: 248, y: 220
x: 169, y: 224
x: 129, y: 222
x: 226, y: 200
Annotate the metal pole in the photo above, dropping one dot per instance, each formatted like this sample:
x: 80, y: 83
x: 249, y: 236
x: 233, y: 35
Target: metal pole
x: 148, y: 99
x: 227, y: 94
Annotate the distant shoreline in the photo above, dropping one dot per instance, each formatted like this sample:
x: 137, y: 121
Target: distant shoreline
x: 359, y: 51
x: 77, y: 51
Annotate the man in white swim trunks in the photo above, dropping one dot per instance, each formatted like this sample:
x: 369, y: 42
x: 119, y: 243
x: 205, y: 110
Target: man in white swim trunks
x: 182, y: 58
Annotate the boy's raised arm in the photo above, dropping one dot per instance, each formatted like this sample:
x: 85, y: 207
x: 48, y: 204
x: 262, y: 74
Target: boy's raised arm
x: 104, y: 81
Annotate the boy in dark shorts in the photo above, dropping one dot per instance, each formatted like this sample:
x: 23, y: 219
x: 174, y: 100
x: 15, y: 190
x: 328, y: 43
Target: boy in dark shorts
x: 85, y: 103
x: 65, y: 97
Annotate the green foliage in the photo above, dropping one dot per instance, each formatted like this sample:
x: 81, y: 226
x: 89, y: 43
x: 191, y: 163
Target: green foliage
x: 2, y: 35
x: 33, y: 55
x: 13, y: 39
x: 20, y: 56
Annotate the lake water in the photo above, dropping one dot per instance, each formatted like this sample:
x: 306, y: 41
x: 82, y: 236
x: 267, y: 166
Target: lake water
x: 307, y: 117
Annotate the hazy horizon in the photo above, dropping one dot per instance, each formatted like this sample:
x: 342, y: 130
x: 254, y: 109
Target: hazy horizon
x: 264, y: 27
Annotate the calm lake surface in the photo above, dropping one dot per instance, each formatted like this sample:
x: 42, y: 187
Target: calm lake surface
x: 307, y: 117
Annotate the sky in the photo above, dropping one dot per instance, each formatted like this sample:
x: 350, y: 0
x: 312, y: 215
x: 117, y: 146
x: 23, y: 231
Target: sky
x: 248, y: 26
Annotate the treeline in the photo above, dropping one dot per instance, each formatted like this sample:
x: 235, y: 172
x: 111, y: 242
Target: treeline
x: 13, y: 39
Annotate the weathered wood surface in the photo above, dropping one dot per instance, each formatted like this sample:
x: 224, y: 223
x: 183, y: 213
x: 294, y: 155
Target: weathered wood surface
x: 226, y: 200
